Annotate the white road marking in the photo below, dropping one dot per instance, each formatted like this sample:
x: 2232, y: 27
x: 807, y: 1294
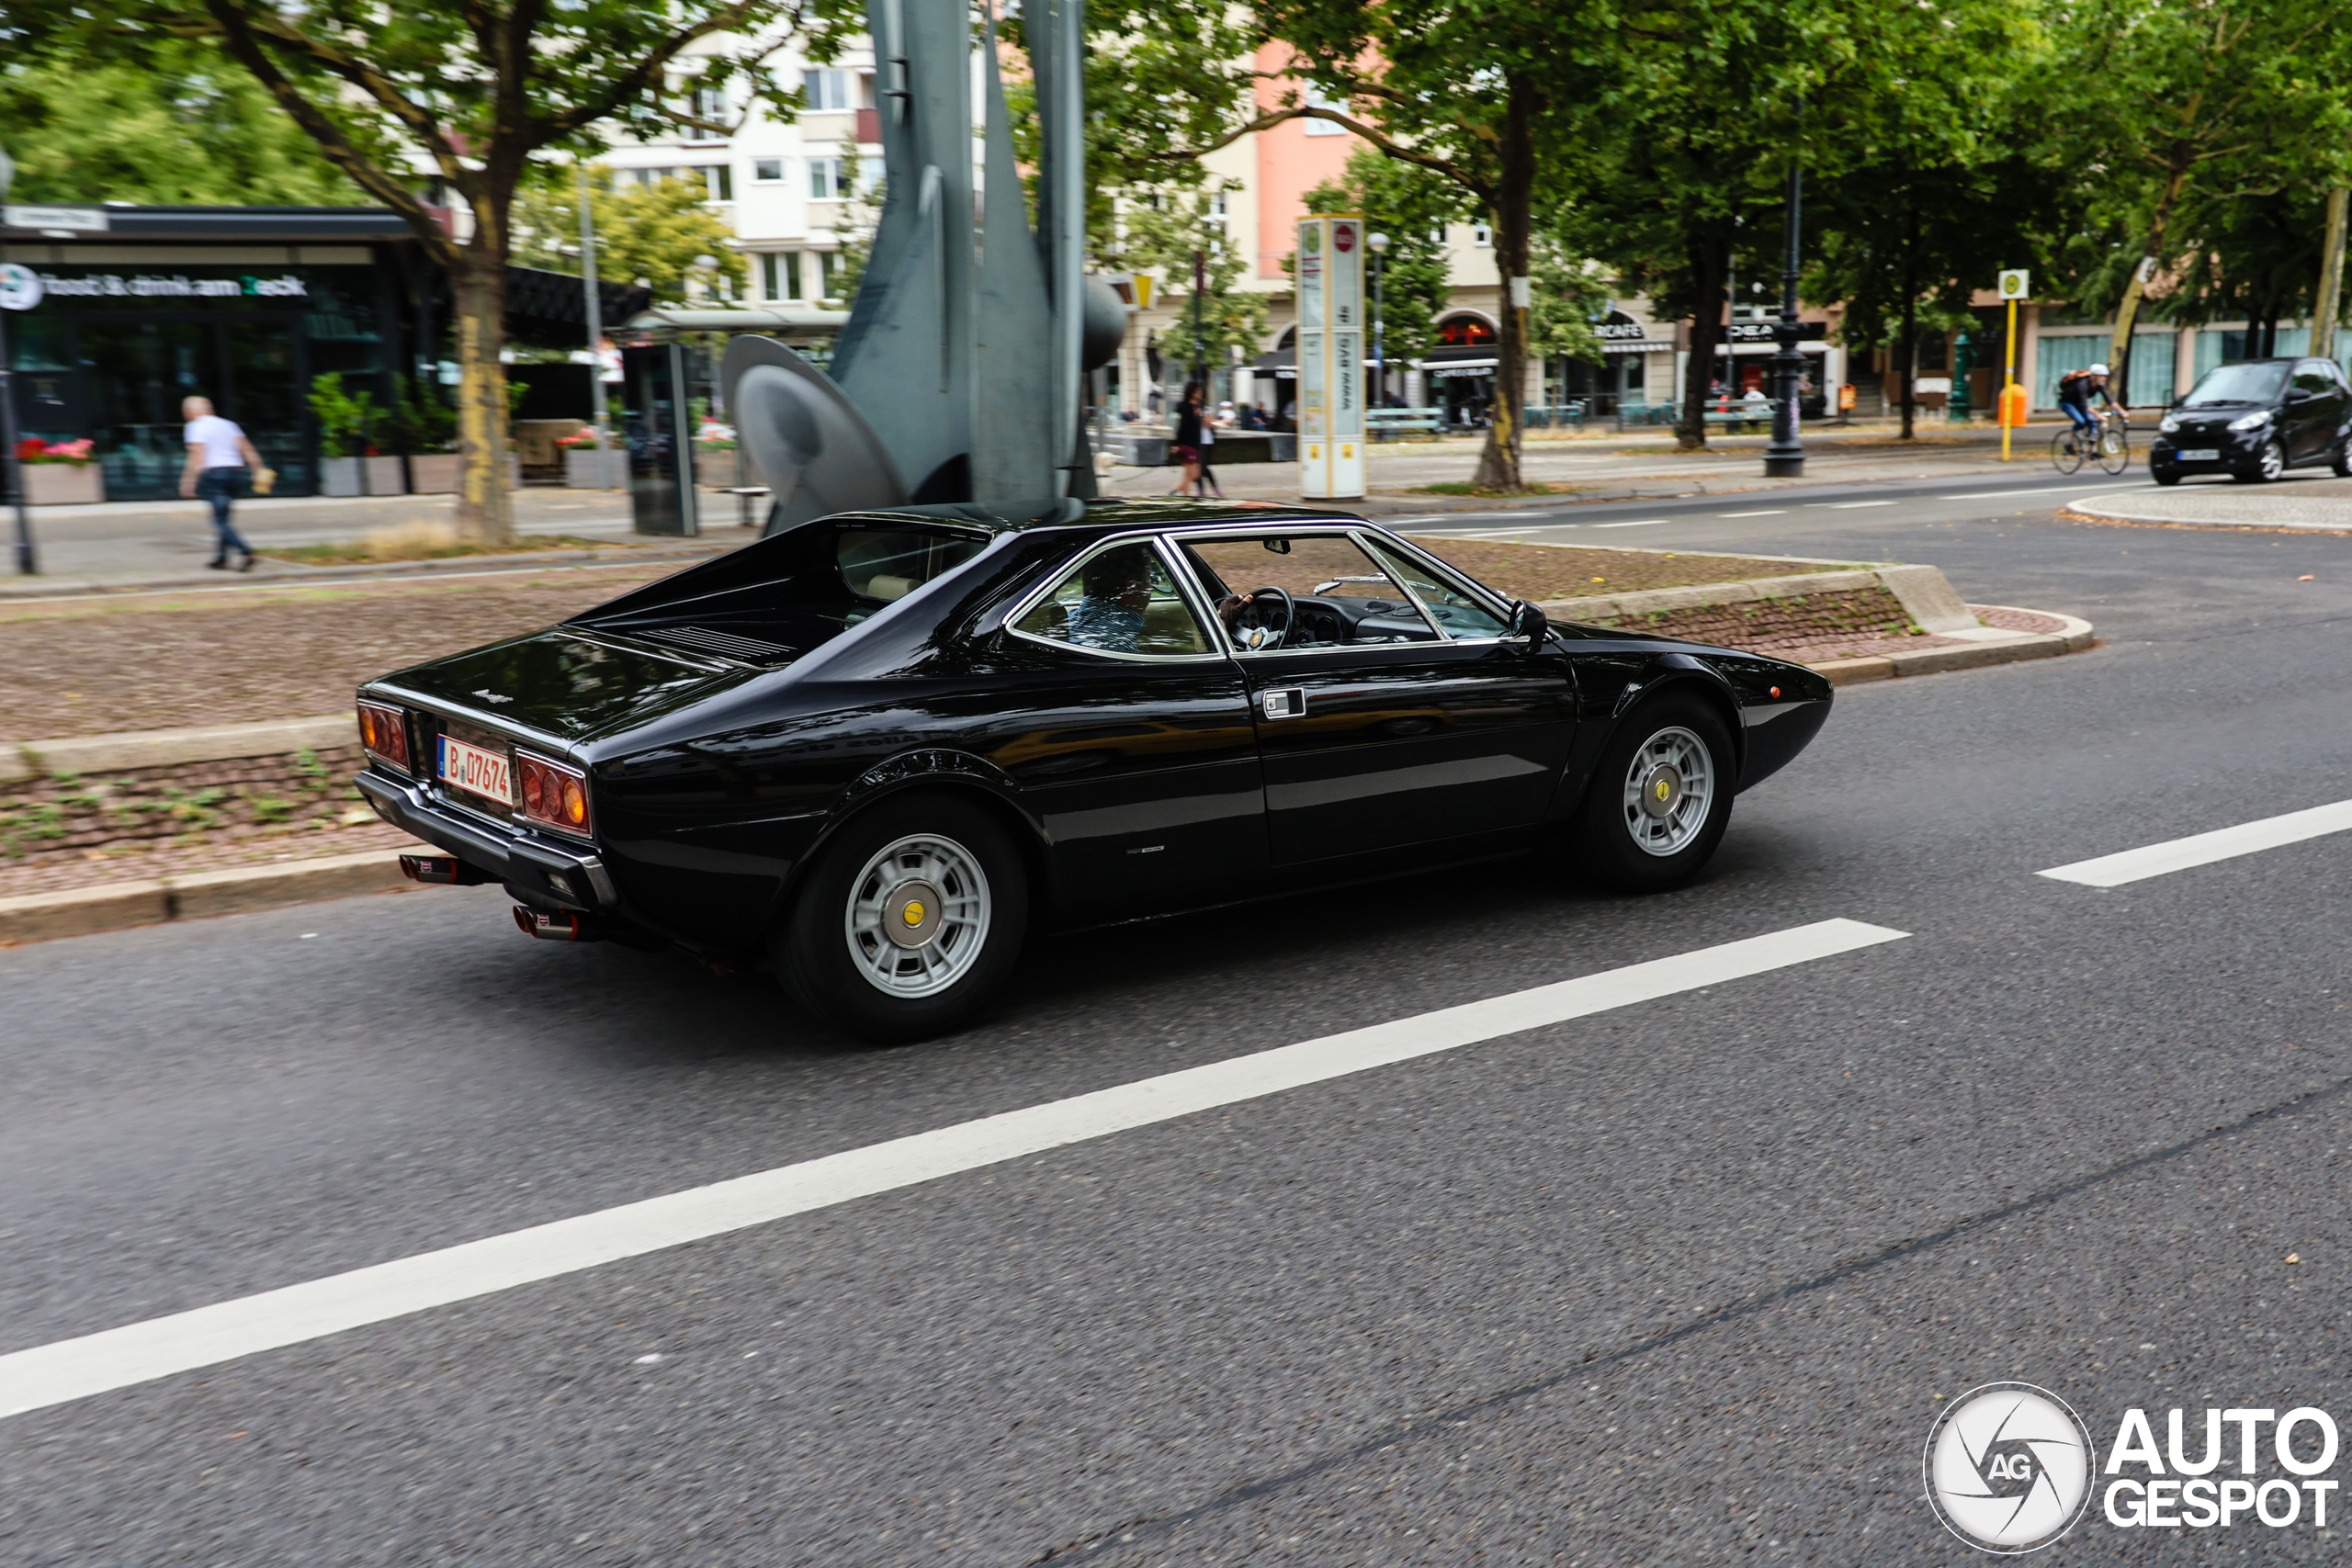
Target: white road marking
x: 68, y: 1369
x: 1774, y: 512
x: 1849, y: 505
x: 1645, y: 523
x: 2204, y: 849
x: 2053, y: 489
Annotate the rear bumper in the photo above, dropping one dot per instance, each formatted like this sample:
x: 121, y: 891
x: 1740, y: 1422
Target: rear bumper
x: 569, y: 878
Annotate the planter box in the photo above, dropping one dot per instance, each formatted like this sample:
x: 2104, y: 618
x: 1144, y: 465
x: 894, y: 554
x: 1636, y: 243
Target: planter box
x: 590, y: 469
x: 63, y: 484
x: 342, y: 476
x: 384, y: 476
x: 718, y: 470
x: 435, y: 473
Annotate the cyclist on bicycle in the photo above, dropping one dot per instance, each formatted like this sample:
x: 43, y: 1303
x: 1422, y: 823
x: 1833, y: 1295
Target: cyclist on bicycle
x: 2075, y: 390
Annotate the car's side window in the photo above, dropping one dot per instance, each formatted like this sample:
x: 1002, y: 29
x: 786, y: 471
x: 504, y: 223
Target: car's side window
x: 1121, y: 599
x: 1293, y: 591
x: 1448, y: 603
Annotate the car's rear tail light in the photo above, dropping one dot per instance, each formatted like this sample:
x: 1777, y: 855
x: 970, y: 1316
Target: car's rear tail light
x: 383, y: 732
x: 554, y: 794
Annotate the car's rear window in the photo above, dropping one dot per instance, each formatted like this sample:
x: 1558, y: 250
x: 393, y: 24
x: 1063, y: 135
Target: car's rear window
x: 891, y: 563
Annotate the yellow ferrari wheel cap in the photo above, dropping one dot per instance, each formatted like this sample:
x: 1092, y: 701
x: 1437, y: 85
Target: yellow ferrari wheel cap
x: 913, y: 913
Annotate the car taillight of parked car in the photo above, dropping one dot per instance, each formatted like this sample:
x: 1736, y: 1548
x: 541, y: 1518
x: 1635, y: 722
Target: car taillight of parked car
x: 384, y: 733
x: 554, y: 794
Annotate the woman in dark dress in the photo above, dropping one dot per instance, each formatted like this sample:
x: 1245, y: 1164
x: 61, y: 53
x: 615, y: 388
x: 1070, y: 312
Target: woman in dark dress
x: 1186, y: 446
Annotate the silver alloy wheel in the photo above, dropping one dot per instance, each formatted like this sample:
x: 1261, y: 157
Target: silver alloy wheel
x: 1669, y: 785
x: 918, y: 916
x: 2273, y: 460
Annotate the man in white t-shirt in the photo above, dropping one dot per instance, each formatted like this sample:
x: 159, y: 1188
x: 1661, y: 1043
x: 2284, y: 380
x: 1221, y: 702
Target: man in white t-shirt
x: 217, y: 452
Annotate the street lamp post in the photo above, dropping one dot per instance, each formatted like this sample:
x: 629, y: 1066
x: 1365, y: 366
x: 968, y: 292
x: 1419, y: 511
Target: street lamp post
x: 12, y: 472
x: 1784, y: 458
x: 1378, y: 245
x: 596, y: 327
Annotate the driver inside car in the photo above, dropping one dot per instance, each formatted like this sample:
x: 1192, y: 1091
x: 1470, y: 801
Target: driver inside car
x: 1114, y: 590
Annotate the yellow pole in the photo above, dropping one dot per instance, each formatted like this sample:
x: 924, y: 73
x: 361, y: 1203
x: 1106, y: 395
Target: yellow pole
x: 2009, y: 375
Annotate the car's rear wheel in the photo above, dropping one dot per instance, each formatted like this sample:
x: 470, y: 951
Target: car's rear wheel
x: 911, y: 921
x: 1660, y: 798
x: 2340, y: 458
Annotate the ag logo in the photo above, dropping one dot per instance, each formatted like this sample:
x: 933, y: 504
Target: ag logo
x: 2008, y: 1468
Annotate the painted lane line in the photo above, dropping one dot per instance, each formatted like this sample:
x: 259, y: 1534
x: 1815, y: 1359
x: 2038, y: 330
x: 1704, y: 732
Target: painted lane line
x: 1775, y: 513
x: 52, y: 1374
x: 1645, y: 523
x: 2204, y: 849
x: 1849, y: 505
x: 2051, y: 490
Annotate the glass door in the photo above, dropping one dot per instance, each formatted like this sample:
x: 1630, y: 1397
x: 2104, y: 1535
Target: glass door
x: 134, y: 373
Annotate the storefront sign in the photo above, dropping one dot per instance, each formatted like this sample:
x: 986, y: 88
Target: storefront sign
x: 1618, y: 327
x: 147, y: 285
x: 1764, y: 331
x: 20, y: 286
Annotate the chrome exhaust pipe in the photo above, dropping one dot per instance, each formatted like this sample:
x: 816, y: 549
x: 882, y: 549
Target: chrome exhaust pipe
x: 556, y: 925
x: 442, y: 870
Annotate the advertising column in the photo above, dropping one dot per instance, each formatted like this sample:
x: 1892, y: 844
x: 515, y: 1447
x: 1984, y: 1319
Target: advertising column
x: 1330, y: 357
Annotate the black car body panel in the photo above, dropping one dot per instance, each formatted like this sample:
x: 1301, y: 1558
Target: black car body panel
x: 2223, y: 424
x: 727, y: 728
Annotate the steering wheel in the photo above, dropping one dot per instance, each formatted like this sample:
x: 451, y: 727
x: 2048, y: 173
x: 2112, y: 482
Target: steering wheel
x: 1252, y: 628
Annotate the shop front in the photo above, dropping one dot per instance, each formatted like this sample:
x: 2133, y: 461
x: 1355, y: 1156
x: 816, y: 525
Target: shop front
x: 245, y: 306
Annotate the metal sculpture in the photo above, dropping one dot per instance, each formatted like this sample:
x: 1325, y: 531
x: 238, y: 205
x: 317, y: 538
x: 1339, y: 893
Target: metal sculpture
x: 957, y: 377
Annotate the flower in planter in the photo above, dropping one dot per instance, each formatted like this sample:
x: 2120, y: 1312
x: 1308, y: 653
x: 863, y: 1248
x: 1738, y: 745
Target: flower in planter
x: 714, y: 437
x: 579, y: 441
x: 32, y: 449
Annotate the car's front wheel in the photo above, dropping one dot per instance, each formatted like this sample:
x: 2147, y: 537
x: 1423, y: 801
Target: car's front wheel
x: 1660, y: 798
x: 2268, y: 464
x: 2340, y: 458
x: 910, y: 922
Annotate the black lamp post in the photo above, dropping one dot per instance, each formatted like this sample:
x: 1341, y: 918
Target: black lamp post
x: 12, y: 472
x: 1784, y: 458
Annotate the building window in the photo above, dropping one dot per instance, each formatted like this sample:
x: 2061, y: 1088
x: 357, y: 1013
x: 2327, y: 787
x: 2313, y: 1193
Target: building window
x: 1217, y: 209
x: 1466, y: 331
x: 767, y: 170
x: 718, y: 182
x: 1314, y: 97
x: 707, y: 104
x: 780, y: 275
x: 1480, y: 234
x: 824, y: 90
x: 825, y: 180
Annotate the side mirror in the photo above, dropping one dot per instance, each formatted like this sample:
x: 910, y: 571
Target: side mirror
x: 1528, y: 625
x: 2298, y: 395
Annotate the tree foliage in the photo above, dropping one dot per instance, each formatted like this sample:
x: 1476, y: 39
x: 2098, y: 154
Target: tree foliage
x: 652, y: 234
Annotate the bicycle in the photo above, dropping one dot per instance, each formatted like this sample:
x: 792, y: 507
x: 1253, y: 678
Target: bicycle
x: 2111, y: 447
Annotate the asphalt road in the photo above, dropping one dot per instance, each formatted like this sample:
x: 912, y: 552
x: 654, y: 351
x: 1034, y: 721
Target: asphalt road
x: 1685, y: 1282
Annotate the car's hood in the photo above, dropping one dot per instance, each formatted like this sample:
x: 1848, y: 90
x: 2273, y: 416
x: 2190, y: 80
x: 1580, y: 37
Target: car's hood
x: 564, y: 682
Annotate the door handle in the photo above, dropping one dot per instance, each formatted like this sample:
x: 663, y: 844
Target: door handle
x: 1283, y: 702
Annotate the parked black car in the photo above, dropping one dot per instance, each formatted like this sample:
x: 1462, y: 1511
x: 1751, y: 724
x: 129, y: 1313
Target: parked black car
x: 2254, y: 419
x: 870, y: 751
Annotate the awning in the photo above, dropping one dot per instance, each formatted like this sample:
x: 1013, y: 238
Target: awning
x: 1460, y: 367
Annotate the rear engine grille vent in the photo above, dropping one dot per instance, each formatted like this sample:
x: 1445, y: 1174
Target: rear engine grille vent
x: 726, y: 645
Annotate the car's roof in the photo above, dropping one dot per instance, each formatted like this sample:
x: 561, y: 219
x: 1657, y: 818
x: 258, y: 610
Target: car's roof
x: 1104, y: 517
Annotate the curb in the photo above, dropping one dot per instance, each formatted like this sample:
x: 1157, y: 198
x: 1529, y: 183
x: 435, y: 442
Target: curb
x: 117, y: 906
x: 1922, y: 590
x: 168, y: 748
x: 303, y: 576
x: 2077, y: 635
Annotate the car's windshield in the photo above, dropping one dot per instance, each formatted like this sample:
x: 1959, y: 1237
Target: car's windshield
x: 2226, y: 383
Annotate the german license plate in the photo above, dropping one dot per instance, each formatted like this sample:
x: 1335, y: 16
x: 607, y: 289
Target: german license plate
x: 477, y: 771
x: 2198, y: 454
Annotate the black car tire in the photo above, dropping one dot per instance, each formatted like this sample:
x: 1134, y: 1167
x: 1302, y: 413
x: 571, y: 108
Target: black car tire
x: 2254, y: 473
x: 2164, y: 476
x: 1610, y: 825
x: 815, y: 949
x: 2340, y: 458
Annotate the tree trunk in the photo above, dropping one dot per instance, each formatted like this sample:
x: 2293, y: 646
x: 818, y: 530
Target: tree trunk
x: 1710, y: 269
x: 2118, y: 347
x: 1499, y: 464
x: 1909, y: 370
x: 485, y: 510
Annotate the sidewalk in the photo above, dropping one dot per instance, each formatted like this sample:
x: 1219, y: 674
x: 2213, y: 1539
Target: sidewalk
x: 2306, y: 499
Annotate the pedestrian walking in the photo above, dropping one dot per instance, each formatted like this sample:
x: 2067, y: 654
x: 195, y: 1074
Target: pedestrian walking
x: 1185, y: 445
x: 1207, y: 476
x: 217, y: 453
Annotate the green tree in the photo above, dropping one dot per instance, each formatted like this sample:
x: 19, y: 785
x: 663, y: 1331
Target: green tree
x: 468, y: 92
x: 194, y: 130
x: 1163, y: 228
x: 652, y: 233
x: 1412, y: 205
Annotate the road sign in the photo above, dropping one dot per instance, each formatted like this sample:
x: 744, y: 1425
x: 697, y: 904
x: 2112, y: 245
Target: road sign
x: 1330, y: 357
x: 2013, y: 283
x: 20, y: 286
x: 56, y: 219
